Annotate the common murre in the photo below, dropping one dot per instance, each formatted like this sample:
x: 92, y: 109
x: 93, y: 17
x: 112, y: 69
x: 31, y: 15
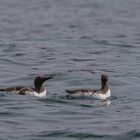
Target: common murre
x: 37, y: 90
x: 102, y: 93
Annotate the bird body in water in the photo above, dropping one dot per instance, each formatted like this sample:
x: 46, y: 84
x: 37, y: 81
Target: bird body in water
x: 38, y: 89
x: 103, y: 93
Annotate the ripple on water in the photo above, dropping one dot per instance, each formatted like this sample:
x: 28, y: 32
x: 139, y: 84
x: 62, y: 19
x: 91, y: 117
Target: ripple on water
x: 66, y: 134
x: 76, y: 41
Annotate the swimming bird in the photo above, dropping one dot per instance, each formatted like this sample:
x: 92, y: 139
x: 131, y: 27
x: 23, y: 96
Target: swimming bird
x: 38, y: 89
x: 102, y: 93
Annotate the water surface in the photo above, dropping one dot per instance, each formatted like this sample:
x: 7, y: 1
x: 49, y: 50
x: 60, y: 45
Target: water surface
x: 75, y: 41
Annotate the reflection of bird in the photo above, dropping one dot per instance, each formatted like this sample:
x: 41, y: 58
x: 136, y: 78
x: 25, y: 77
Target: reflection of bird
x: 37, y: 90
x: 102, y: 93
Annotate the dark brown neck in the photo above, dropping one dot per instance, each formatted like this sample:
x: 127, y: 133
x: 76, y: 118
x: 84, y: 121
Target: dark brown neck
x: 39, y: 89
x: 104, y: 86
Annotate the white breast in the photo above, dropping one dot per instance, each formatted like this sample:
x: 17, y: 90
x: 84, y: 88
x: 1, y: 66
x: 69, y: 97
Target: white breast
x: 42, y: 94
x: 102, y: 96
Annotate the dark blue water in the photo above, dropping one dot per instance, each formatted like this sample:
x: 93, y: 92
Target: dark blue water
x: 76, y: 41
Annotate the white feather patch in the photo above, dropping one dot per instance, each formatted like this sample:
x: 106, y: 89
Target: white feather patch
x: 42, y: 94
x: 97, y: 95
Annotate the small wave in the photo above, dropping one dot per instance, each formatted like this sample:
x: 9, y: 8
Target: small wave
x: 85, y: 135
x: 68, y: 134
x: 80, y: 135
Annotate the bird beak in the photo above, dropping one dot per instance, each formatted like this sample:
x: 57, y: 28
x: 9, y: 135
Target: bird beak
x: 48, y: 77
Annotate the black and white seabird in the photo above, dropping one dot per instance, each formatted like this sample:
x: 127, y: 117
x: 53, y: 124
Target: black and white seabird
x: 38, y: 89
x: 103, y: 93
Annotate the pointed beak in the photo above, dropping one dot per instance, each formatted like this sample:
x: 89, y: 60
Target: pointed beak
x: 48, y: 77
